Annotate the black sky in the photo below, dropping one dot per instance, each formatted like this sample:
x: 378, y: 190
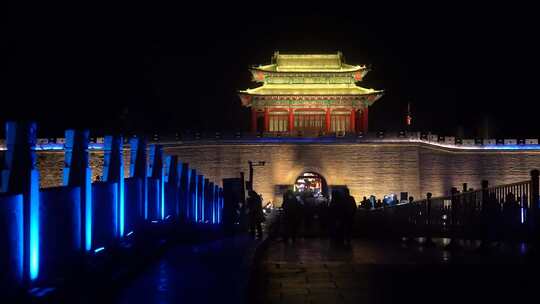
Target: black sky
x: 178, y: 67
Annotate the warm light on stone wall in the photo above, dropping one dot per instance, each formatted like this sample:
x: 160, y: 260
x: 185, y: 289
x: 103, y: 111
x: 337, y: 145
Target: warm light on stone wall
x: 366, y: 169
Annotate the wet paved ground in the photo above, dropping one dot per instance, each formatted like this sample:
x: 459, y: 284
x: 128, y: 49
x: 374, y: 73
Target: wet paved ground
x: 216, y: 272
x: 313, y: 271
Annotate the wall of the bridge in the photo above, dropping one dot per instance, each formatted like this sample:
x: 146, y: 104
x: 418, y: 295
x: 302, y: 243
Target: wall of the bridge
x: 366, y: 169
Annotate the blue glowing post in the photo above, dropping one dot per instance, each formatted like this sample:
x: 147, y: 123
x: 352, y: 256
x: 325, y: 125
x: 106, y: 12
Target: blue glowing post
x: 157, y: 173
x: 206, y: 201
x: 216, y: 204
x: 187, y: 195
x: 534, y: 210
x: 137, y: 168
x: 210, y: 204
x: 173, y: 180
x: 12, y: 240
x: 179, y: 191
x: 77, y: 172
x: 200, y: 201
x: 20, y: 176
x: 113, y: 172
x: 194, y: 192
x: 221, y: 203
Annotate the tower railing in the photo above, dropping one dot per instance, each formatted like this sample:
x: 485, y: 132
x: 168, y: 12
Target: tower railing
x: 506, y: 212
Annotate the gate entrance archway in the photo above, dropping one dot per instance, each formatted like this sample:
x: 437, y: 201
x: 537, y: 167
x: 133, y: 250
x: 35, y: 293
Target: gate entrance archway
x: 313, y: 183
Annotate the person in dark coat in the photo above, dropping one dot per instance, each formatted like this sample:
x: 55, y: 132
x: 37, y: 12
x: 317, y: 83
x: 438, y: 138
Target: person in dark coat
x: 336, y: 212
x: 349, y: 211
x: 291, y: 215
x: 255, y: 213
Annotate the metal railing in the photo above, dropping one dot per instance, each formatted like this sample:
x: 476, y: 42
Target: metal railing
x: 503, y: 212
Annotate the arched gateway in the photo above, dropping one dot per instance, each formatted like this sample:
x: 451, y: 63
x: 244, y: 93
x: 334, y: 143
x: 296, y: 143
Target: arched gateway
x: 313, y: 183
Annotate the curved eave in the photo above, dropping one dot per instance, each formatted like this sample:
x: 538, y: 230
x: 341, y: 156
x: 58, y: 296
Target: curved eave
x: 378, y: 92
x: 271, y: 69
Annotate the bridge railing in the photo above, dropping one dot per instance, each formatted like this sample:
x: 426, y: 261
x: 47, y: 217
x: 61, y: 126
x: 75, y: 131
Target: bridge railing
x: 505, y: 212
x: 43, y: 232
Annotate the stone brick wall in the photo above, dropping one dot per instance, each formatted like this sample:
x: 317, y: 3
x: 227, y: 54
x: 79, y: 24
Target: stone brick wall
x: 366, y: 169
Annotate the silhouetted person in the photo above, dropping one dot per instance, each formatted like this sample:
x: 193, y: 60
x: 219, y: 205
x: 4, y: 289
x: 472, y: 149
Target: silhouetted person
x: 255, y: 213
x: 336, y: 210
x: 511, y: 215
x: 349, y: 211
x: 322, y: 212
x: 308, y: 211
x: 291, y: 215
x: 366, y: 204
x: 489, y: 220
x: 378, y: 204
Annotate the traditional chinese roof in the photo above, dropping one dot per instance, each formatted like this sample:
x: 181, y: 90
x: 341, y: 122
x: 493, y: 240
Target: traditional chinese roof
x: 298, y: 75
x: 310, y: 89
x: 308, y: 63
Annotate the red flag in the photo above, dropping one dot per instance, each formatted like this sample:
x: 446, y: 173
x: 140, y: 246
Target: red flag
x: 408, y: 119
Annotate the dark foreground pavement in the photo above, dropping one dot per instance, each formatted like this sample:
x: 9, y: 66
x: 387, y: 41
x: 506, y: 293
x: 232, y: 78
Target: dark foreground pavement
x: 313, y: 271
x: 215, y: 272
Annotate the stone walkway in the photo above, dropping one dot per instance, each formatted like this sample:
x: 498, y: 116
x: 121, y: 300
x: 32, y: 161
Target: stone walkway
x: 215, y: 272
x: 313, y: 271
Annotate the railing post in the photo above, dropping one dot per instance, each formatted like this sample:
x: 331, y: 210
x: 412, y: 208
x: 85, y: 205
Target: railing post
x: 113, y: 172
x: 533, y: 207
x: 138, y: 169
x: 454, y: 208
x: 156, y: 171
x: 77, y: 172
x: 20, y: 175
x: 485, y: 216
x: 429, y: 241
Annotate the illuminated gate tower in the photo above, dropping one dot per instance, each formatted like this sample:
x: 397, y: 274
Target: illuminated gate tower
x: 309, y: 93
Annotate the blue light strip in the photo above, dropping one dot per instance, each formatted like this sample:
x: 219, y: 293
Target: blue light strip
x: 162, y: 193
x: 187, y: 196
x: 203, y: 197
x: 115, y: 233
x: 158, y: 200
x: 122, y: 197
x: 196, y: 201
x: 145, y: 198
x: 96, y: 146
x: 34, y: 225
x: 88, y: 211
x: 99, y: 249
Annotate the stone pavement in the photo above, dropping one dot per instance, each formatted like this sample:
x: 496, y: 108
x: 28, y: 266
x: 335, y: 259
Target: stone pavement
x: 313, y: 271
x: 216, y: 272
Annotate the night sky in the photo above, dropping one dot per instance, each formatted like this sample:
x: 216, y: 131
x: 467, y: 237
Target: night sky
x: 164, y: 69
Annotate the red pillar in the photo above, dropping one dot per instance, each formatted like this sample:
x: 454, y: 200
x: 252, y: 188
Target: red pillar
x: 266, y: 120
x: 291, y: 120
x: 328, y: 120
x: 253, y: 120
x: 365, y: 119
x: 353, y: 120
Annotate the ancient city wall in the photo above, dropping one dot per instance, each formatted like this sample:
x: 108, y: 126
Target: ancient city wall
x: 365, y: 168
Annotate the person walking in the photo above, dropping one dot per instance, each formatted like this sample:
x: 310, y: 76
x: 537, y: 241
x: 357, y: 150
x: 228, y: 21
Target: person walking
x: 255, y: 213
x: 337, y: 211
x: 349, y: 211
x: 291, y: 215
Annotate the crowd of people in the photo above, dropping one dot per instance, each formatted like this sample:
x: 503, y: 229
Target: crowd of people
x: 302, y: 210
x: 336, y: 217
x: 373, y: 202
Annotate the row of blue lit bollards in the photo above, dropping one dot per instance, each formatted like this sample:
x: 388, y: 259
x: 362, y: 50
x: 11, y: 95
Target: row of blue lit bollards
x: 41, y: 229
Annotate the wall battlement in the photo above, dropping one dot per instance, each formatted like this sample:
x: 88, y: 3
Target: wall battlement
x: 377, y: 166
